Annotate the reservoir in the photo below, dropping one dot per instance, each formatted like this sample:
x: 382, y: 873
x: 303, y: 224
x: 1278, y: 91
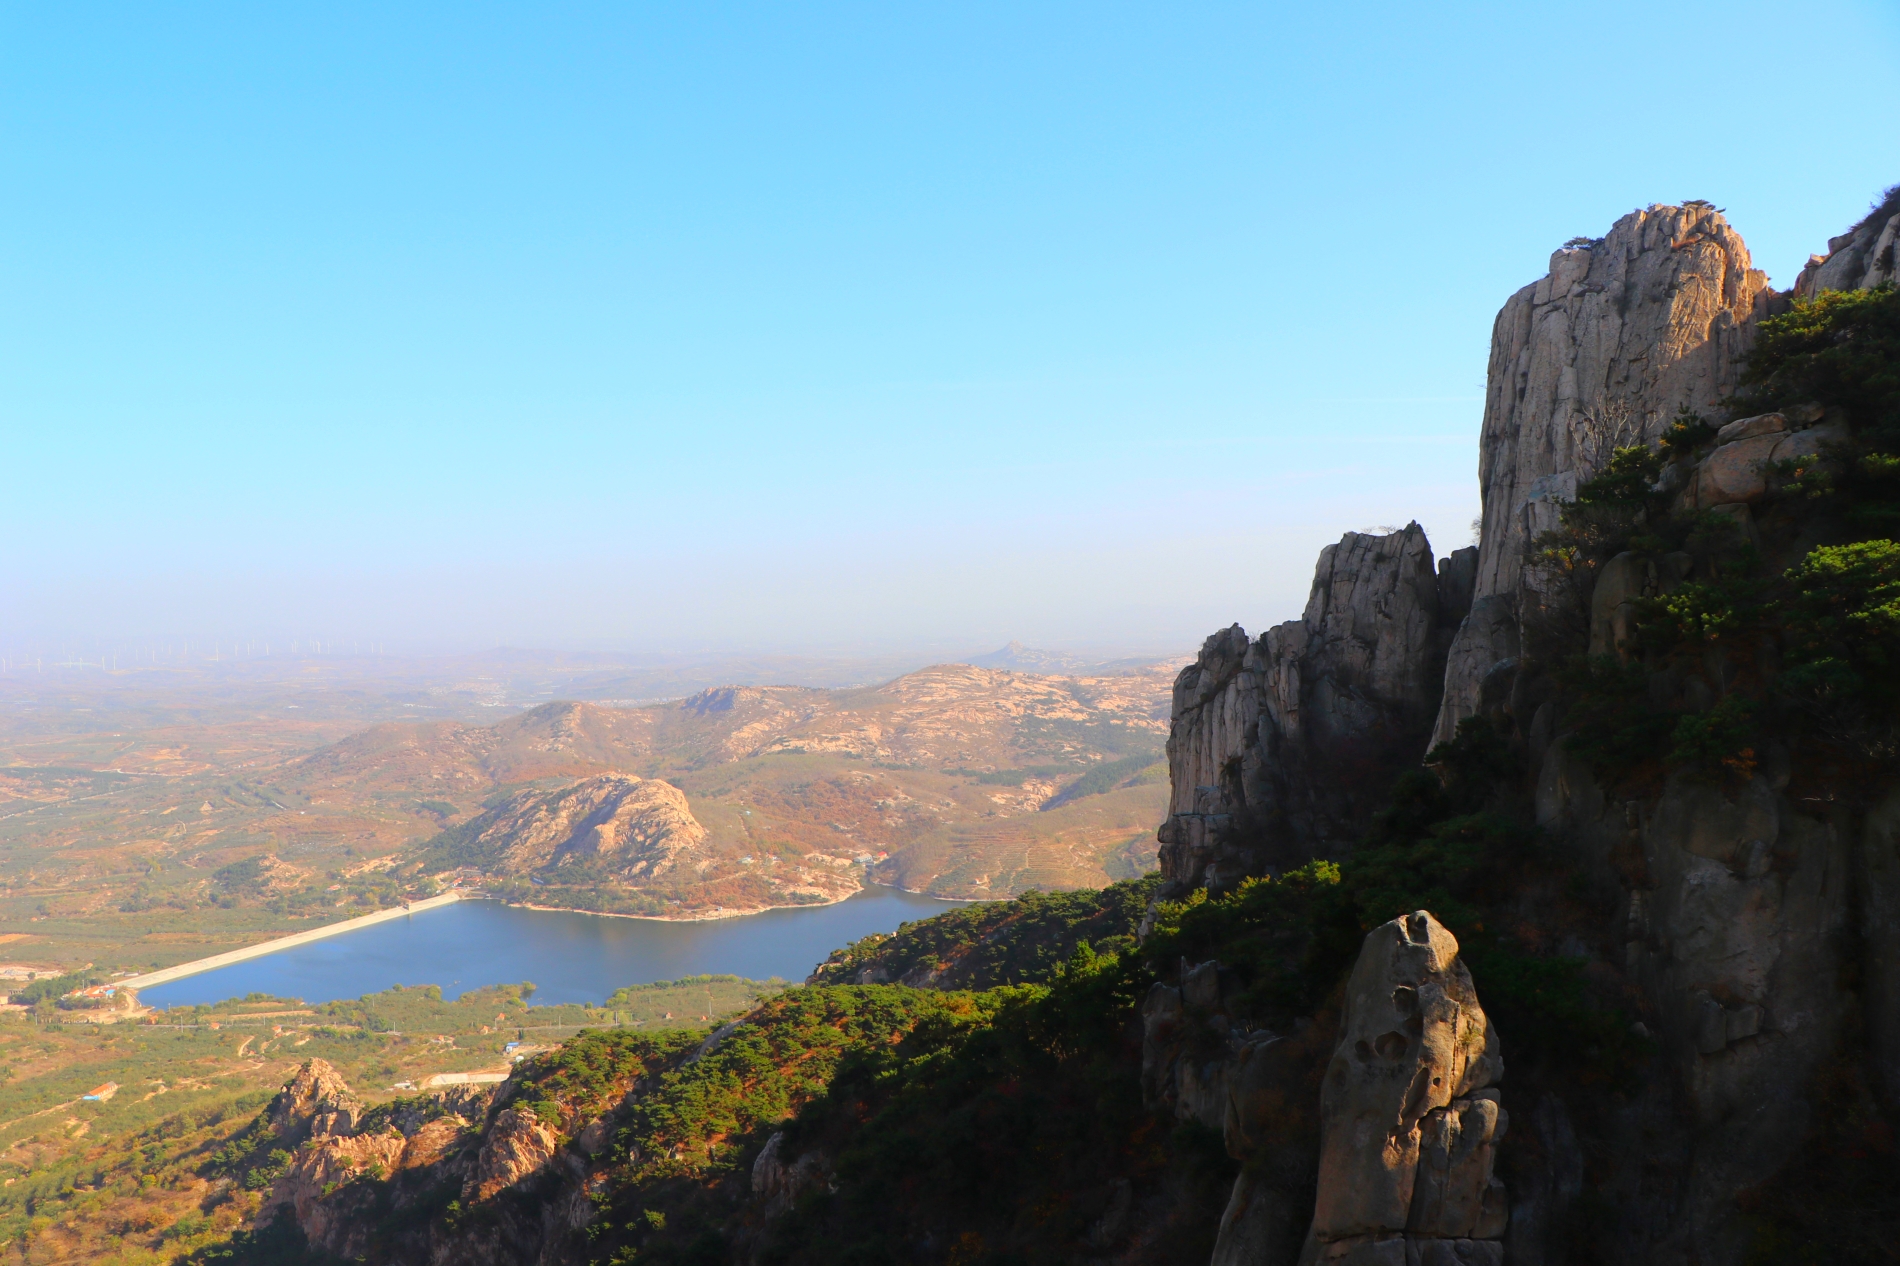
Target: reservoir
x: 569, y: 957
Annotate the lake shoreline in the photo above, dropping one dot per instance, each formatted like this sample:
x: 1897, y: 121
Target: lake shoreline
x: 572, y: 956
x: 179, y: 971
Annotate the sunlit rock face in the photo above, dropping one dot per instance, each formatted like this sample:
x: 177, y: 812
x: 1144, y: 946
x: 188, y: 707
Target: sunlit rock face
x: 1624, y: 330
x: 1410, y: 1112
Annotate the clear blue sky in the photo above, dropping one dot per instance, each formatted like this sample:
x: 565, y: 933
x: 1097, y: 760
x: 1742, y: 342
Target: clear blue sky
x: 817, y: 326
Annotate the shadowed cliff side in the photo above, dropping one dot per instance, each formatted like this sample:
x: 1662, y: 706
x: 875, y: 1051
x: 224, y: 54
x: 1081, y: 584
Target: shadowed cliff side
x: 1682, y: 645
x: 1281, y: 748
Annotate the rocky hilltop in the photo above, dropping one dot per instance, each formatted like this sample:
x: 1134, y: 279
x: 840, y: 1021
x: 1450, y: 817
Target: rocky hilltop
x: 1612, y: 799
x: 956, y: 780
x: 616, y: 836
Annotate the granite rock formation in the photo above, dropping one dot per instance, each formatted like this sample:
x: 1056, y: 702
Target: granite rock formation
x: 316, y: 1100
x: 1349, y: 688
x: 1624, y: 331
x: 1751, y: 924
x: 371, y: 1186
x: 1410, y: 1113
x: 778, y: 1182
x: 1734, y: 910
x: 1859, y: 259
x: 1371, y: 1135
x: 518, y: 1143
x: 333, y: 1143
x: 1260, y: 1088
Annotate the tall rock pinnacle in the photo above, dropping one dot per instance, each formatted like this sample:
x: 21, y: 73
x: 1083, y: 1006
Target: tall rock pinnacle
x: 1623, y: 331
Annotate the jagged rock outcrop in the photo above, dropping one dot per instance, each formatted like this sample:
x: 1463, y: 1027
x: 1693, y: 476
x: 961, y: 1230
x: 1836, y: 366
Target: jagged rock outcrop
x: 1369, y: 1136
x: 1623, y: 331
x: 324, y: 1163
x: 518, y: 1144
x: 315, y: 1101
x: 637, y: 828
x: 1350, y: 688
x: 1859, y: 259
x: 1410, y: 1113
x: 338, y: 1151
x: 369, y: 1186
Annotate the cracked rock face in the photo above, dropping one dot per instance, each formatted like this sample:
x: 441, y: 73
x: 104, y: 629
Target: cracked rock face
x: 518, y: 1145
x: 1350, y: 688
x: 1410, y: 1116
x: 1600, y: 353
x: 1735, y: 909
x: 779, y: 1181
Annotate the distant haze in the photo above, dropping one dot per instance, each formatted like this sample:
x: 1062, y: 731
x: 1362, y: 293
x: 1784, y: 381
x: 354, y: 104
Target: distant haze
x: 829, y: 329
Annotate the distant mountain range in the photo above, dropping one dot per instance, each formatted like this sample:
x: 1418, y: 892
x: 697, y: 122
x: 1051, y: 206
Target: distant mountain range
x: 517, y: 676
x: 1018, y: 658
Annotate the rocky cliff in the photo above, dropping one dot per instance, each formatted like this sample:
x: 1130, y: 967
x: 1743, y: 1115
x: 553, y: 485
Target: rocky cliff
x: 1625, y: 330
x: 1724, y: 825
x: 1349, y: 689
x: 1655, y: 859
x: 1859, y: 259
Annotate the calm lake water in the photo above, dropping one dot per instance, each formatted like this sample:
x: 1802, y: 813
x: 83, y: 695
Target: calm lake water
x: 569, y: 957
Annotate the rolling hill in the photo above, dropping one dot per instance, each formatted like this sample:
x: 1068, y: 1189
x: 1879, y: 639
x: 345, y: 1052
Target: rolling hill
x: 955, y: 780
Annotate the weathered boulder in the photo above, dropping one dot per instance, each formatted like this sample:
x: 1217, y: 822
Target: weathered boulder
x: 1749, y: 428
x: 1736, y: 472
x: 1809, y: 441
x: 1602, y: 351
x: 1409, y: 1115
x: 1279, y: 746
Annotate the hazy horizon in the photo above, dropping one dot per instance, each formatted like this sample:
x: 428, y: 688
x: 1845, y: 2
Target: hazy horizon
x: 839, y: 331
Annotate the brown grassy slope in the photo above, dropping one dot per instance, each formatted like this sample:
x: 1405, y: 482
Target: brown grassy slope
x: 117, y: 811
x: 778, y: 774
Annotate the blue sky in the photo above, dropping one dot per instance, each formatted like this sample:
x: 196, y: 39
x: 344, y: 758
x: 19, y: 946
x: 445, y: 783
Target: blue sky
x: 825, y: 326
